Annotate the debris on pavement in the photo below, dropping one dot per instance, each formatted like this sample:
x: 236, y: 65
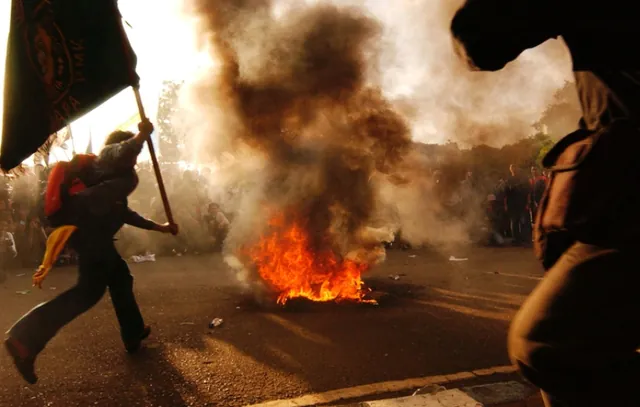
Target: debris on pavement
x: 215, y: 323
x: 53, y: 288
x: 377, y: 296
x: 453, y: 258
x: 412, y: 256
x: 25, y: 292
x: 21, y: 275
x: 395, y: 277
x: 430, y: 389
x: 187, y: 323
x: 149, y: 257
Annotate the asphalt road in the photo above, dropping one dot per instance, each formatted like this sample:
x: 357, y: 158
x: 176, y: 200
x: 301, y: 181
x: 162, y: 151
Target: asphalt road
x: 439, y: 317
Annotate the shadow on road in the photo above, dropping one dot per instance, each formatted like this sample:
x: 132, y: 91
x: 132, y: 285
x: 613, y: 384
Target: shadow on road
x: 415, y: 331
x: 436, y: 317
x: 446, y: 318
x: 158, y: 381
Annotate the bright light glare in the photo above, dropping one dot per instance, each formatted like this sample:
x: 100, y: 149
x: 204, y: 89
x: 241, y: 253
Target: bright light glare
x: 165, y: 44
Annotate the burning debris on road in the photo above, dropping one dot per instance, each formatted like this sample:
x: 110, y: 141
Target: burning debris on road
x: 287, y: 261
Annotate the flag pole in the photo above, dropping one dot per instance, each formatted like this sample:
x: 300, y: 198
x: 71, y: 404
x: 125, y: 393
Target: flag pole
x: 143, y: 116
x: 154, y: 159
x: 73, y: 142
x: 89, y: 149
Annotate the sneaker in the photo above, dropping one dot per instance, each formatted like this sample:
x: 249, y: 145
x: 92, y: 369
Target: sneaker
x: 134, y: 345
x: 23, y: 360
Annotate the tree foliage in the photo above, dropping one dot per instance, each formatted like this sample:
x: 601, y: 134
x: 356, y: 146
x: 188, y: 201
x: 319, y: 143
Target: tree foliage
x: 486, y: 163
x: 171, y: 141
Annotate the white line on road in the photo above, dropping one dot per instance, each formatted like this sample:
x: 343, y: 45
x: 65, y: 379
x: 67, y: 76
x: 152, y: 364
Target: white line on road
x: 381, y: 388
x: 447, y: 398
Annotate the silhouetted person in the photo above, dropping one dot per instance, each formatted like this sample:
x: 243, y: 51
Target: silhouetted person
x: 517, y: 200
x: 94, y: 217
x: 576, y: 336
x: 537, y: 185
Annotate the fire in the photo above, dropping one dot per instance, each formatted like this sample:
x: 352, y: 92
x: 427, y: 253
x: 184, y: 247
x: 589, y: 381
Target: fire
x: 286, y: 261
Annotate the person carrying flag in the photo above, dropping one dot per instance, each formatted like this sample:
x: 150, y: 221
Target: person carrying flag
x: 64, y: 59
x: 89, y: 222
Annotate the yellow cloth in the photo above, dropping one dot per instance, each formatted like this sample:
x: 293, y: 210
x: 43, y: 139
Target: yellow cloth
x: 55, y: 243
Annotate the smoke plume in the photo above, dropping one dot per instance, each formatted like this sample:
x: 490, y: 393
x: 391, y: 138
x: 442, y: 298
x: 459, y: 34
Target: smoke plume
x: 291, y: 102
x: 451, y: 103
x: 311, y: 107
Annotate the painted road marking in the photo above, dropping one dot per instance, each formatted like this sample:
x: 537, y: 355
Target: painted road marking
x: 381, y: 388
x: 498, y: 393
x: 447, y: 398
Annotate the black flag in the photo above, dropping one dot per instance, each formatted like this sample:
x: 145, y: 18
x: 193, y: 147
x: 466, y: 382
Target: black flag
x: 64, y: 58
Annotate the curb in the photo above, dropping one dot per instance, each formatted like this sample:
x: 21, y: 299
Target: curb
x: 485, y: 394
x: 496, y: 394
x: 448, y: 398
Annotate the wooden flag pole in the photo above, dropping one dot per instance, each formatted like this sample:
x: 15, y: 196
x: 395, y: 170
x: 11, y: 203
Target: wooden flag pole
x: 89, y: 149
x: 154, y: 160
x: 136, y: 90
x: 73, y: 142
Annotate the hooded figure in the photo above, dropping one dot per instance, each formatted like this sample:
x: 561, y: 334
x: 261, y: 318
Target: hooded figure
x: 576, y: 336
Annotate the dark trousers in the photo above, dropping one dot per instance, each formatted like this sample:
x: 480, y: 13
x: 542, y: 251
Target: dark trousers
x: 97, y: 272
x: 520, y: 226
x: 4, y: 266
x: 100, y: 199
x: 577, y: 334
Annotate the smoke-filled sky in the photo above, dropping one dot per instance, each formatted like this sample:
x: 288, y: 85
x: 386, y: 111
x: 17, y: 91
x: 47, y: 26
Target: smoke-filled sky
x: 452, y: 103
x: 319, y: 102
x: 417, y: 69
x: 443, y: 99
x: 166, y: 49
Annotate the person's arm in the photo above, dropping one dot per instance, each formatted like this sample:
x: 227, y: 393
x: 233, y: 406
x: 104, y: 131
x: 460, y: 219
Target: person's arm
x: 134, y: 219
x: 222, y: 220
x: 12, y: 245
x: 124, y: 153
x: 43, y: 233
x: 492, y: 33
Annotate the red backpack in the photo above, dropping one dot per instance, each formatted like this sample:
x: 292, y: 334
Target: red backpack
x: 65, y: 174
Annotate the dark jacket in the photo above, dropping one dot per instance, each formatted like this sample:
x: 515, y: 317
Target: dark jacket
x: 517, y: 194
x: 95, y: 235
x: 102, y: 209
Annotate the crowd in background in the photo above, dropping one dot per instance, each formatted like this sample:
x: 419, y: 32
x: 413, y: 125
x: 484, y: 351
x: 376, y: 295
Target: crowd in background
x: 195, y: 207
x: 22, y: 224
x: 507, y: 203
x: 507, y: 206
x: 24, y: 228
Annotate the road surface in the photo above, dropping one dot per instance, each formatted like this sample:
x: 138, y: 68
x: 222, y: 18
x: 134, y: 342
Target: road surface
x: 439, y: 317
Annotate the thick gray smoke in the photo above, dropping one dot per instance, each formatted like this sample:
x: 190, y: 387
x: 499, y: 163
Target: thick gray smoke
x: 301, y: 112
x: 290, y: 102
x: 452, y: 103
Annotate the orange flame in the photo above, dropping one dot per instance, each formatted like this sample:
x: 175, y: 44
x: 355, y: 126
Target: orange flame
x: 285, y: 260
